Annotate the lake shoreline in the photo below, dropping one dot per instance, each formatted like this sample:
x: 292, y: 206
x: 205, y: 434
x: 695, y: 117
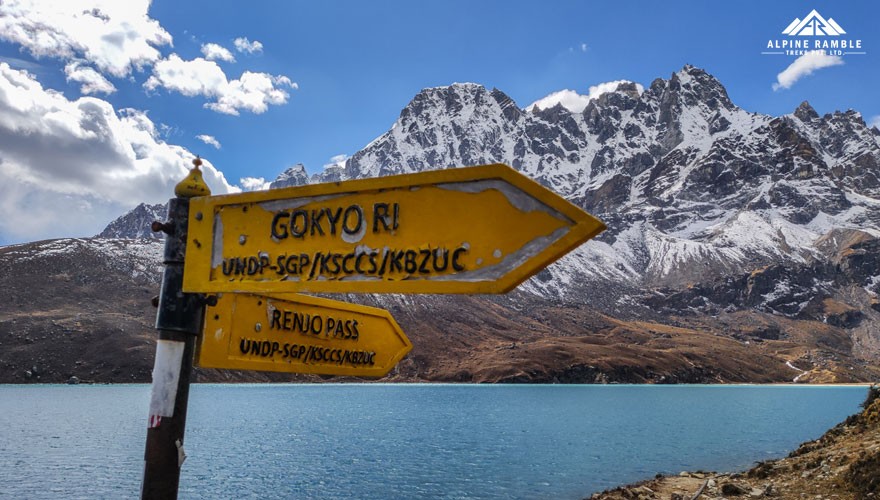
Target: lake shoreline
x: 429, y: 440
x: 844, y: 463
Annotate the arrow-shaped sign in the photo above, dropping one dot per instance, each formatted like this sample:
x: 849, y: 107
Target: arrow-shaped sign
x: 464, y: 230
x: 300, y: 334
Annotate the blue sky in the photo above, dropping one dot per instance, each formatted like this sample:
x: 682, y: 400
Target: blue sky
x: 99, y: 117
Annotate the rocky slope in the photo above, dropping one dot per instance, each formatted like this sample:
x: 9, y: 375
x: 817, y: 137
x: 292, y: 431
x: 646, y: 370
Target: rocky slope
x: 81, y: 308
x: 741, y: 247
x: 77, y: 308
x: 844, y: 463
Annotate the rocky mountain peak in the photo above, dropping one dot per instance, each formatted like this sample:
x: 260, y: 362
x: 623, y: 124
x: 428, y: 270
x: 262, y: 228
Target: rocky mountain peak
x: 625, y: 97
x: 630, y: 89
x: 806, y: 113
x: 553, y: 114
x: 843, y: 146
x: 136, y: 223
x: 687, y: 108
x: 455, y: 99
x: 441, y: 127
x: 692, y: 88
x: 292, y: 176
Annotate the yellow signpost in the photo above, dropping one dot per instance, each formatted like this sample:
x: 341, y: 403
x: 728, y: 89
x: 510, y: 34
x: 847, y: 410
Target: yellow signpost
x: 300, y: 334
x: 464, y: 230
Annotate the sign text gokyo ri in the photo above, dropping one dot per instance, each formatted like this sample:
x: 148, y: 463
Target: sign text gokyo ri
x: 465, y: 230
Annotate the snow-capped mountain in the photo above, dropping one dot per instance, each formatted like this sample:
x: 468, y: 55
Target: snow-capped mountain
x: 293, y: 176
x: 749, y: 240
x: 136, y: 223
x: 691, y: 186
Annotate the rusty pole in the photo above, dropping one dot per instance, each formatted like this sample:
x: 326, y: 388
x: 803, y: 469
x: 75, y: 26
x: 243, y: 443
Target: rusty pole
x: 179, y: 322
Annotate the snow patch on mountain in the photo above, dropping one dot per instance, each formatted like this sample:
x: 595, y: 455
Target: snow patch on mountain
x: 139, y: 257
x: 691, y: 186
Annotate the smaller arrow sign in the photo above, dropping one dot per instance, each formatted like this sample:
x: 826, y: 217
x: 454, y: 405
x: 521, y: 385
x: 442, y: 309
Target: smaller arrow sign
x: 300, y: 334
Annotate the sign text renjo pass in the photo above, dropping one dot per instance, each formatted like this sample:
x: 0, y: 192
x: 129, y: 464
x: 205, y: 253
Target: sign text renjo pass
x: 300, y: 334
x: 466, y: 230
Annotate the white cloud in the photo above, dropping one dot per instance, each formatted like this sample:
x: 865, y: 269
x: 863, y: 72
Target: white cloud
x: 109, y: 37
x: 92, y: 81
x: 253, y: 183
x: 71, y: 166
x: 209, y: 140
x: 336, y: 160
x: 113, y: 36
x: 252, y: 92
x: 214, y: 52
x: 875, y: 122
x: 584, y: 47
x: 190, y: 78
x: 575, y: 102
x: 803, y: 66
x: 569, y: 99
x: 244, y: 45
x: 602, y: 88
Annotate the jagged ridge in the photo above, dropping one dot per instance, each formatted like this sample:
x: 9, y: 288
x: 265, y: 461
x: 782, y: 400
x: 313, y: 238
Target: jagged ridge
x: 692, y: 186
x: 711, y: 209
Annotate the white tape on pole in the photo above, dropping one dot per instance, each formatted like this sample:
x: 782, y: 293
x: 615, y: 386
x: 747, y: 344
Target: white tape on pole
x: 166, y: 375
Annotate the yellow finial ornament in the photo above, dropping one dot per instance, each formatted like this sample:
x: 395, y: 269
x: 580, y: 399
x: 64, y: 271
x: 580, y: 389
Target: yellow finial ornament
x: 194, y: 185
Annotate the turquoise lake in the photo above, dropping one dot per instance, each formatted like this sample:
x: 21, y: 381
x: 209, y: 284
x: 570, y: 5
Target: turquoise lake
x: 404, y: 441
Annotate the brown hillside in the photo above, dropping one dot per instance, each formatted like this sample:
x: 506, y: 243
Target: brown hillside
x: 69, y: 308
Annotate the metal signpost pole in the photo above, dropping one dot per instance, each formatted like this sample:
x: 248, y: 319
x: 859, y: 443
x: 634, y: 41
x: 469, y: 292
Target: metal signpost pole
x: 179, y: 322
x: 383, y: 235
